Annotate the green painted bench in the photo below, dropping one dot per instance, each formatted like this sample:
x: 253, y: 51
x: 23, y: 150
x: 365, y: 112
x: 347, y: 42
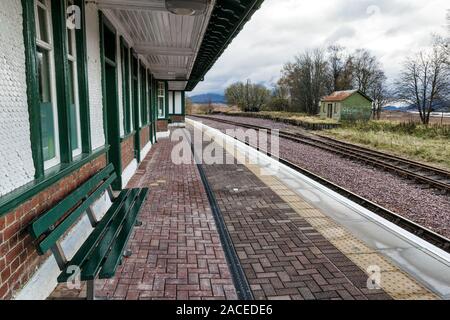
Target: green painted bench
x: 102, y: 252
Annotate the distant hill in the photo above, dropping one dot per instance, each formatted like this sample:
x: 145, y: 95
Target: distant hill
x: 206, y: 98
x: 399, y: 106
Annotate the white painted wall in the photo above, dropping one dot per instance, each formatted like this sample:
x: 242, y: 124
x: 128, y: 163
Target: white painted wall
x: 129, y: 172
x: 16, y: 161
x: 94, y: 76
x: 178, y: 103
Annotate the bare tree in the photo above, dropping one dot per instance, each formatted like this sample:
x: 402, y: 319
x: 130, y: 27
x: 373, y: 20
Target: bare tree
x: 380, y: 95
x: 248, y: 97
x: 280, y: 99
x: 367, y: 71
x: 425, y: 80
x: 308, y: 80
x: 340, y: 66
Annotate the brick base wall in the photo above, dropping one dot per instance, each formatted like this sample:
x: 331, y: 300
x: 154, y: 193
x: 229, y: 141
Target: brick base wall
x: 145, y: 136
x: 162, y: 125
x: 127, y: 151
x: 177, y: 118
x: 18, y: 256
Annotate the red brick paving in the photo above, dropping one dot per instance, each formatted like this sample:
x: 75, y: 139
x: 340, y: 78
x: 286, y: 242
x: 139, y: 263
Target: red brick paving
x: 178, y: 255
x: 283, y: 257
x: 177, y: 252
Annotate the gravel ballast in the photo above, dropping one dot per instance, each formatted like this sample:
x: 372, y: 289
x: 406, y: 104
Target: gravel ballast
x: 423, y: 206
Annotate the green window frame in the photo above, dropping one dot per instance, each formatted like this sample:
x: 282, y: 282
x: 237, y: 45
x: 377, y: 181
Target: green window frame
x: 126, y: 87
x: 144, y: 95
x: 171, y: 102
x: 135, y: 89
x: 151, y: 105
x: 56, y: 81
x: 161, y: 99
x: 74, y: 101
x: 45, y: 57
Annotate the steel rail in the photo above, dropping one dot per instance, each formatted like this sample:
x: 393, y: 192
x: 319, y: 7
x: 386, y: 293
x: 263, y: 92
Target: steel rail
x: 427, y: 175
x: 406, y: 224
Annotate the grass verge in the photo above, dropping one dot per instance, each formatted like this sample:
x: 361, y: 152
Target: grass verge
x: 277, y: 116
x: 411, y: 140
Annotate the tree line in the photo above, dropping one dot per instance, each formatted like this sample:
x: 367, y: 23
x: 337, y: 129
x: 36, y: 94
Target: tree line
x: 423, y: 82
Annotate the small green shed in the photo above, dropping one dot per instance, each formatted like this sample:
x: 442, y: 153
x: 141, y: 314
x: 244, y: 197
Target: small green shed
x: 346, y: 105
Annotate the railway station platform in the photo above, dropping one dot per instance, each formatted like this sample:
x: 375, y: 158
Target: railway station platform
x: 259, y: 229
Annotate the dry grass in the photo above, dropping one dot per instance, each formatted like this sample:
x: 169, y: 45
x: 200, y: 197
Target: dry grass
x: 413, y: 141
x: 274, y: 115
x: 399, y: 116
x: 202, y: 109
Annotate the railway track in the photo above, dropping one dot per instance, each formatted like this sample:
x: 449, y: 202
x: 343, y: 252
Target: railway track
x: 414, y: 228
x: 429, y: 177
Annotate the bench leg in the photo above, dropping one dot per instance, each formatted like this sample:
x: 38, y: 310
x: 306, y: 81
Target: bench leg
x: 92, y: 218
x: 59, y: 255
x: 111, y: 193
x: 90, y: 290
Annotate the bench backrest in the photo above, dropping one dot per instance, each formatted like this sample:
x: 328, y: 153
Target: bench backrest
x: 49, y: 227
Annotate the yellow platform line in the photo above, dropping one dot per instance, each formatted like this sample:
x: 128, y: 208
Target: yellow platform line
x: 394, y: 281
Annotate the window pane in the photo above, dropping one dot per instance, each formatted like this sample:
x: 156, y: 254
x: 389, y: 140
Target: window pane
x: 71, y: 83
x: 71, y: 50
x: 48, y: 131
x: 42, y: 20
x: 74, y: 113
x: 43, y: 62
x: 74, y: 127
x: 161, y: 107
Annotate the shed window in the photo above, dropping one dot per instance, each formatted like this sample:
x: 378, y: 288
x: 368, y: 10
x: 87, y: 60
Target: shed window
x: 46, y: 78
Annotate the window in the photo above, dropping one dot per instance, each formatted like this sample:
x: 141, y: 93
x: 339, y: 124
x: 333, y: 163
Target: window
x: 161, y: 100
x: 171, y: 102
x: 150, y: 98
x: 135, y: 93
x: 46, y: 78
x: 144, y: 96
x: 178, y: 103
x: 74, y: 104
x: 126, y: 88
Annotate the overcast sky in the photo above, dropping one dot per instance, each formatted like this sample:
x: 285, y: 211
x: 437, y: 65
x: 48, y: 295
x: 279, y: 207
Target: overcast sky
x: 391, y: 29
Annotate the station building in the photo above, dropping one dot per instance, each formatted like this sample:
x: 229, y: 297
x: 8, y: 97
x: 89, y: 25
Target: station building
x: 346, y: 105
x: 87, y: 83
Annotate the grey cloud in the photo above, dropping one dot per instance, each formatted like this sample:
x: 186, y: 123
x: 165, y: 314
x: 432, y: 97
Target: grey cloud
x: 363, y: 9
x: 283, y: 28
x: 341, y: 33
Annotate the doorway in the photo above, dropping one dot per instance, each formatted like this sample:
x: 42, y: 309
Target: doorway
x: 330, y: 111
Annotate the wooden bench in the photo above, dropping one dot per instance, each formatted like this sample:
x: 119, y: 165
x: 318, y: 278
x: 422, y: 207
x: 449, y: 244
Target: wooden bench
x: 102, y: 252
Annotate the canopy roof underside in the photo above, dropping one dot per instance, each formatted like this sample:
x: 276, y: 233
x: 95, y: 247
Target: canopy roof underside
x: 178, y: 48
